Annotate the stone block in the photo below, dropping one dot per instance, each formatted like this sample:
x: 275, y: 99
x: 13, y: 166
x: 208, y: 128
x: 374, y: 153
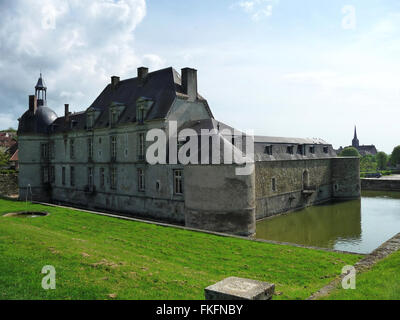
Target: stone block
x: 240, y: 289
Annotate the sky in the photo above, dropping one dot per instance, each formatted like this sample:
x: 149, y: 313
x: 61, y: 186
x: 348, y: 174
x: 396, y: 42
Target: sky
x: 310, y: 68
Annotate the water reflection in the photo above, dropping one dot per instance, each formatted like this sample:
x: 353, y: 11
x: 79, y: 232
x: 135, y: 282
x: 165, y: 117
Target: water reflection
x: 358, y: 226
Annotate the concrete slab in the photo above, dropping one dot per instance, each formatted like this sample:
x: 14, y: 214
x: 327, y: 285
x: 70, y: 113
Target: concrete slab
x: 234, y: 288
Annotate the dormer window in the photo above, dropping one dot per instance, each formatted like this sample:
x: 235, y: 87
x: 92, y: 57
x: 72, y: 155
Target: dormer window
x: 89, y: 121
x: 141, y: 113
x: 268, y: 150
x: 143, y: 106
x: 301, y: 150
x: 116, y: 109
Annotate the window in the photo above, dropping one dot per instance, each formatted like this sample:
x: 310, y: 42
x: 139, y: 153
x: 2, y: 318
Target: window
x: 52, y: 174
x: 326, y: 149
x: 72, y: 149
x: 142, y: 146
x: 52, y: 147
x: 300, y: 150
x: 268, y: 150
x: 45, y: 174
x: 90, y: 148
x: 289, y: 149
x: 141, y: 114
x: 141, y: 180
x: 273, y: 184
x: 72, y: 176
x: 114, y: 178
x: 114, y: 117
x: 113, y: 148
x: 102, y: 178
x: 90, y: 121
x: 312, y: 149
x: 63, y: 176
x: 178, y: 183
x: 90, y: 177
x: 45, y: 151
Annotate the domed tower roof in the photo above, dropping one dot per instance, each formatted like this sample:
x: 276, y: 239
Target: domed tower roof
x: 38, y: 122
x: 39, y: 117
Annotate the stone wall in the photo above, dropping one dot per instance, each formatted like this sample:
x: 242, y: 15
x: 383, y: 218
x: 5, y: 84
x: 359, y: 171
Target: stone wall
x: 298, y: 184
x: 217, y: 199
x: 9, y: 184
x: 302, y: 183
x: 380, y: 184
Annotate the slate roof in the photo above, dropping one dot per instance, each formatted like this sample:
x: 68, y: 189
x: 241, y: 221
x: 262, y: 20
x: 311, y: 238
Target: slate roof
x: 162, y: 87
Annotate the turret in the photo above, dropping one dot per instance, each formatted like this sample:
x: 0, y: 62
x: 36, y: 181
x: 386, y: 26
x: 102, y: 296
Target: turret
x: 41, y: 92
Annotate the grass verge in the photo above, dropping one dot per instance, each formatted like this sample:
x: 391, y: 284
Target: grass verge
x: 98, y: 257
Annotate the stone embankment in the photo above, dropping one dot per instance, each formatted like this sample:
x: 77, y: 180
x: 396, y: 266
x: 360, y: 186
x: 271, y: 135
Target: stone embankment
x: 389, y: 183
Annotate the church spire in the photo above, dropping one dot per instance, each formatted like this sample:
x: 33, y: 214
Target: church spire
x: 41, y: 92
x: 356, y: 142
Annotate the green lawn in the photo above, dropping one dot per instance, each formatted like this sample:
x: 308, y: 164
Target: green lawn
x: 382, y: 282
x: 97, y: 256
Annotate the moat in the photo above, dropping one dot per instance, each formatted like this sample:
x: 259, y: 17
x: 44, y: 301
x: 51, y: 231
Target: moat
x: 357, y: 226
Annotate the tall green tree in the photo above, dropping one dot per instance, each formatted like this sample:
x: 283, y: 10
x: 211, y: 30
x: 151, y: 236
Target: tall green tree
x: 395, y: 158
x: 350, y: 152
x: 382, y: 160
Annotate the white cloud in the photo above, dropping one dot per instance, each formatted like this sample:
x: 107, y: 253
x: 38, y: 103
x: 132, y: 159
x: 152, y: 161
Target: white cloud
x: 77, y: 44
x: 257, y: 9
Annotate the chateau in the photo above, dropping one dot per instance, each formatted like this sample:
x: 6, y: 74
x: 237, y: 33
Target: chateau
x: 97, y: 159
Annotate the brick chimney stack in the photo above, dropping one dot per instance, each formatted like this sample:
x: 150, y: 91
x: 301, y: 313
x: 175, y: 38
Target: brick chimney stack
x: 32, y: 104
x: 66, y: 113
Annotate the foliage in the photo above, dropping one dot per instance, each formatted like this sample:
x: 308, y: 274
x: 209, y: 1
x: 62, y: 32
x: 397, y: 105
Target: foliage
x: 349, y: 152
x: 395, y: 158
x: 4, y: 158
x: 97, y: 256
x: 368, y: 164
x: 382, y: 160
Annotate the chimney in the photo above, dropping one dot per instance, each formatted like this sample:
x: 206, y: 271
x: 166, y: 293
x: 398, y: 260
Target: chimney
x: 114, y: 81
x: 189, y: 83
x: 66, y: 113
x: 142, y: 73
x: 32, y: 104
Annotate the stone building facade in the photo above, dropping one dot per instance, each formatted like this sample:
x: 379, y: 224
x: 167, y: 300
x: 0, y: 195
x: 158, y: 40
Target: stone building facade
x: 97, y: 159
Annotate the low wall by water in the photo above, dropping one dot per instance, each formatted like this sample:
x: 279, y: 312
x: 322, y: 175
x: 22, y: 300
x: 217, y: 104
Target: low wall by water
x: 380, y: 184
x: 9, y: 184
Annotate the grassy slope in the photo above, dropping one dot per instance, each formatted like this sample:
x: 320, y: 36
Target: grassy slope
x: 96, y: 256
x: 381, y: 282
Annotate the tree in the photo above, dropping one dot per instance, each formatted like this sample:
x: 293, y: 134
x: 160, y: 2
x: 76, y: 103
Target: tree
x: 3, y: 159
x: 350, y: 152
x: 395, y: 158
x: 382, y: 159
